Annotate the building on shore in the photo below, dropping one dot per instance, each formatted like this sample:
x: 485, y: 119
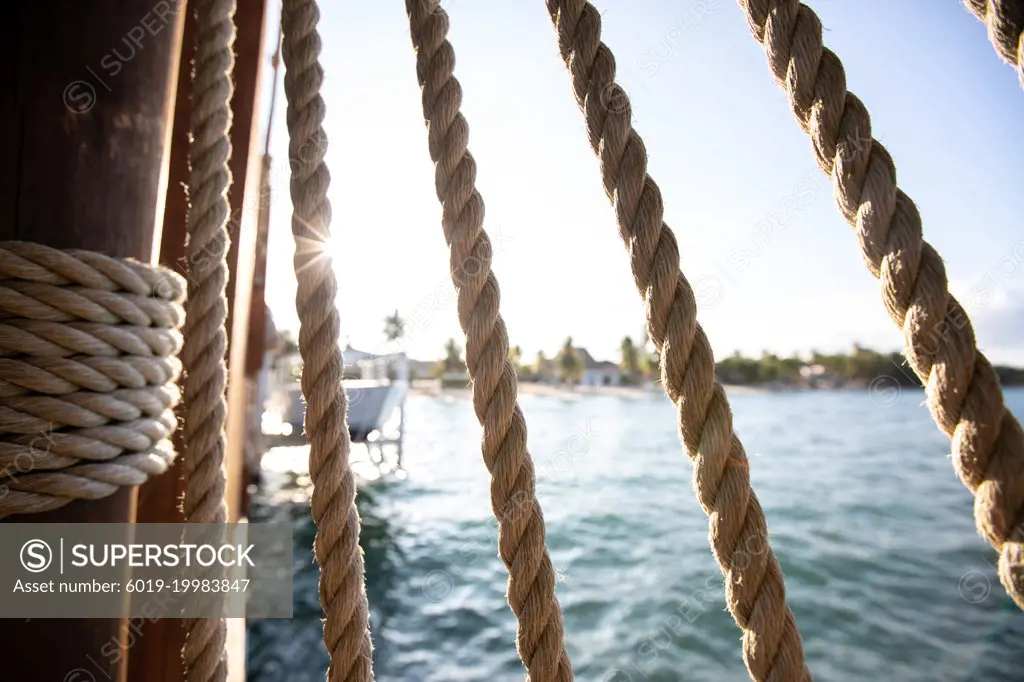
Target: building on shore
x: 598, y: 372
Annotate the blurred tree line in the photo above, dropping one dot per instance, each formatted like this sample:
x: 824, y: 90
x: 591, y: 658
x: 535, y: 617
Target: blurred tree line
x: 860, y: 365
x: 640, y: 362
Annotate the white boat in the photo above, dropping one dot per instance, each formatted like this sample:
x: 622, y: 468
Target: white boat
x: 376, y: 386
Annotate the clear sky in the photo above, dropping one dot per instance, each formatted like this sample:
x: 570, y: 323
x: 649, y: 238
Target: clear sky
x: 723, y: 145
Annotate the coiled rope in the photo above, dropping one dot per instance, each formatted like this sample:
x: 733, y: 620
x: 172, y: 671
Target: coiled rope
x: 1004, y: 20
x: 204, y: 653
x: 964, y: 395
x: 755, y: 592
x: 87, y: 374
x: 342, y: 591
x: 521, y: 544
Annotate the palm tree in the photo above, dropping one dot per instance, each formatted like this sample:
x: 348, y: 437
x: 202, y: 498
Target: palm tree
x: 652, y: 364
x: 630, y: 359
x: 540, y: 365
x: 569, y: 362
x: 515, y: 355
x: 650, y: 358
x: 289, y: 344
x: 453, y: 357
x: 451, y: 370
x: 394, y: 327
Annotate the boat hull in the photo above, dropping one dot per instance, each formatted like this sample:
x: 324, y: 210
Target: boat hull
x: 370, y: 405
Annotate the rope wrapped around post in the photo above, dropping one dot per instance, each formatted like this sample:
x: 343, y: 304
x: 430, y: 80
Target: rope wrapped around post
x: 342, y: 590
x: 87, y: 374
x: 755, y: 592
x: 204, y: 352
x: 521, y: 537
x: 1004, y: 20
x: 964, y: 394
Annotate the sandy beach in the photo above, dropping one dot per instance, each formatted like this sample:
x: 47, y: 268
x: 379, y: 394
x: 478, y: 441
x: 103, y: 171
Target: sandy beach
x: 532, y: 388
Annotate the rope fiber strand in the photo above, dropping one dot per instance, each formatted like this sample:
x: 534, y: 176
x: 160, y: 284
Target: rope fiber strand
x: 87, y: 374
x: 521, y: 537
x: 342, y: 591
x: 1004, y: 20
x: 203, y: 356
x: 755, y: 593
x: 964, y: 395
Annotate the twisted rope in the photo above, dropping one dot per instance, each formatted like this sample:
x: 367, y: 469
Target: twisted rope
x: 204, y: 652
x: 65, y: 339
x: 531, y: 586
x: 87, y: 374
x: 755, y: 593
x: 1004, y: 20
x: 964, y: 395
x: 342, y: 592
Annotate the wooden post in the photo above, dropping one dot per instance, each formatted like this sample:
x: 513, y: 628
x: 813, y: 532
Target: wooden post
x: 257, y: 342
x: 250, y: 20
x: 86, y: 90
x: 256, y: 345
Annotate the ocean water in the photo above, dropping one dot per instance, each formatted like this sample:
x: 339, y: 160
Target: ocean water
x: 884, y: 571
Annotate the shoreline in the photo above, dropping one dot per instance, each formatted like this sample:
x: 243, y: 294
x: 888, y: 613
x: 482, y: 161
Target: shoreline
x: 538, y: 389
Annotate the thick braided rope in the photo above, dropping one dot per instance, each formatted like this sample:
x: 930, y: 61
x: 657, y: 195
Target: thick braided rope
x: 964, y: 395
x: 204, y: 652
x: 755, y: 593
x: 531, y: 586
x: 1004, y: 20
x: 87, y: 374
x: 342, y: 591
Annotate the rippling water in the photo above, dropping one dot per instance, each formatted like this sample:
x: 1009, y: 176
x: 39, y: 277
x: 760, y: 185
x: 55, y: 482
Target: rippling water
x: 885, y: 573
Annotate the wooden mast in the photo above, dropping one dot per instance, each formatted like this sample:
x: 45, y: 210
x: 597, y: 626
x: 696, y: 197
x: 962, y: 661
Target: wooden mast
x: 256, y: 345
x: 156, y: 656
x: 87, y: 91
